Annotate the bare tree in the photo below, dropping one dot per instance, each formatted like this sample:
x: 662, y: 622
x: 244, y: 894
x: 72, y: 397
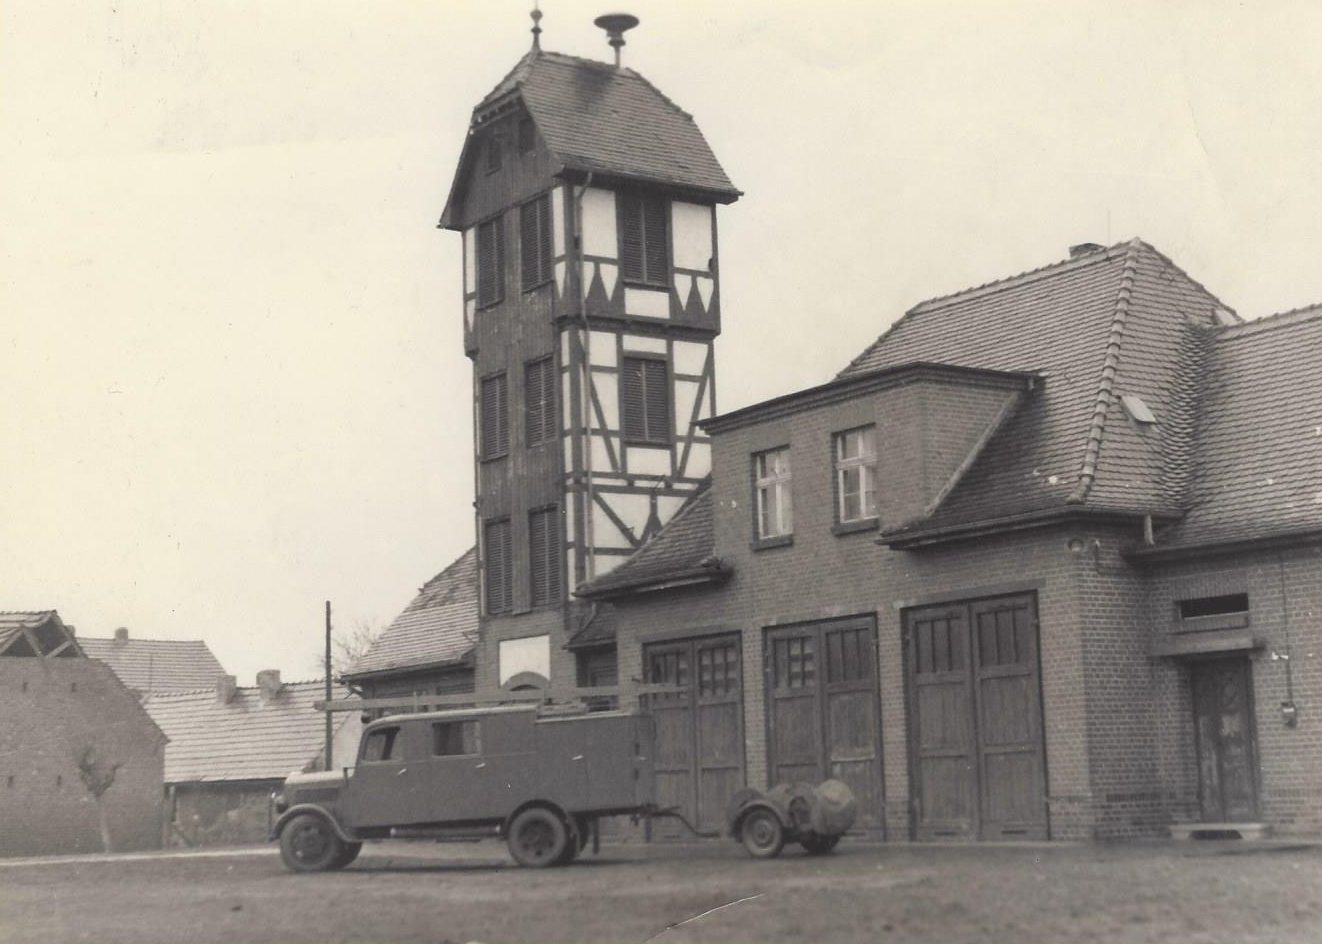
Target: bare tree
x: 98, y: 776
x: 348, y: 646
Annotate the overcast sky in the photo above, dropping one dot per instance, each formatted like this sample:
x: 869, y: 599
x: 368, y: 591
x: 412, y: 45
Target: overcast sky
x: 230, y: 333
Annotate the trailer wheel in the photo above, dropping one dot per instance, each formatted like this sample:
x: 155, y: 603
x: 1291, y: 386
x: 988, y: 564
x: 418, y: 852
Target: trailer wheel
x: 762, y: 834
x: 308, y: 843
x: 814, y: 844
x: 538, y: 838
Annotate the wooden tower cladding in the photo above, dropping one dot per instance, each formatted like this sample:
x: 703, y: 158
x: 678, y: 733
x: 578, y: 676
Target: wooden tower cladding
x: 587, y: 205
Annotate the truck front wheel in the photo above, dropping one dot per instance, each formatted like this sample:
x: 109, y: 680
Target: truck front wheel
x: 538, y: 837
x: 309, y: 844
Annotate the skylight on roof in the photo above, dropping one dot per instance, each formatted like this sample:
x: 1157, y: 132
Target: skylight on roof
x: 1137, y: 409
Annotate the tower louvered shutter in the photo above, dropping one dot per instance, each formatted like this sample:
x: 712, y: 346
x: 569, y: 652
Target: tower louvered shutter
x: 544, y: 551
x: 490, y: 264
x: 645, y: 400
x: 644, y: 240
x: 539, y: 400
x: 495, y: 417
x: 535, y: 242
x: 499, y: 569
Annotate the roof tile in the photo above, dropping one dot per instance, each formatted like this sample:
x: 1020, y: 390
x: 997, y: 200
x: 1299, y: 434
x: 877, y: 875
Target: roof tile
x: 157, y: 665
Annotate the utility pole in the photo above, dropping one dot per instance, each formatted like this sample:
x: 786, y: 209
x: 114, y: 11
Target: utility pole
x: 330, y: 732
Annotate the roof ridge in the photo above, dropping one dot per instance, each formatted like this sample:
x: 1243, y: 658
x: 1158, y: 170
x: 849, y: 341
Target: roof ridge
x: 1252, y: 326
x: 1106, y: 382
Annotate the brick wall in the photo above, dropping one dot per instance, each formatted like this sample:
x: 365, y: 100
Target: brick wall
x: 52, y: 709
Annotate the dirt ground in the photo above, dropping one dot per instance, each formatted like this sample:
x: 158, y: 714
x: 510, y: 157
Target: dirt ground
x: 1160, y: 892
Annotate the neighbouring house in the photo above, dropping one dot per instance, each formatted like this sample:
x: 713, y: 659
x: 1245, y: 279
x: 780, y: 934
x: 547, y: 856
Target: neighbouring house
x: 156, y: 665
x: 231, y: 747
x: 81, y: 762
x: 428, y: 648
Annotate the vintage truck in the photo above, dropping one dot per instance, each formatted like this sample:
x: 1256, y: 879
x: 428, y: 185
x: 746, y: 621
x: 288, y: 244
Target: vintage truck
x: 538, y: 781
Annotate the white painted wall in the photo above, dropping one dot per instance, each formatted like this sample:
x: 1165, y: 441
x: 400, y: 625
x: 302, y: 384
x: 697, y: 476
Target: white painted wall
x: 691, y: 229
x: 599, y: 238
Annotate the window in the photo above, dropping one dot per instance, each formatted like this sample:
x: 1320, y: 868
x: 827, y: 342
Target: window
x: 644, y: 240
x: 535, y: 242
x: 454, y: 738
x: 1227, y: 611
x: 380, y: 745
x: 539, y: 400
x: 775, y: 512
x: 494, y: 419
x: 499, y: 566
x: 645, y: 396
x: 856, y: 474
x: 544, y: 555
x: 490, y: 263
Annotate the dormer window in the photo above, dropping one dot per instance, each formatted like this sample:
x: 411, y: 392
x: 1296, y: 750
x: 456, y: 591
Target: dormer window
x: 527, y: 135
x: 491, y: 154
x: 644, y: 239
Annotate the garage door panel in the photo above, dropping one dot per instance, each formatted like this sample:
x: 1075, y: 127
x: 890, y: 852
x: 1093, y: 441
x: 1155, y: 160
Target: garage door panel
x: 1007, y: 710
x: 946, y: 797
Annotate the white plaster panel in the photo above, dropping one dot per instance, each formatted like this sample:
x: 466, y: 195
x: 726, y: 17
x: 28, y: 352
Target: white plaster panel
x: 691, y: 224
x: 705, y: 286
x: 603, y: 349
x: 470, y: 260
x: 608, y: 395
x: 667, y: 505
x: 690, y: 357
x: 566, y: 338
x: 560, y: 270
x: 683, y: 288
x: 644, y: 461
x: 699, y: 463
x: 601, y: 459
x: 558, y: 222
x: 686, y: 392
x: 599, y: 237
x: 644, y: 345
x: 470, y: 312
x: 646, y: 303
x: 603, y: 564
x: 633, y: 510
x: 529, y: 654
x: 604, y: 532
x: 610, y: 274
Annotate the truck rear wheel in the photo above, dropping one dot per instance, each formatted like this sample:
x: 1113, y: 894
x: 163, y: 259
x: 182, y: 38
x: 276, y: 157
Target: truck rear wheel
x: 308, y: 843
x: 537, y: 838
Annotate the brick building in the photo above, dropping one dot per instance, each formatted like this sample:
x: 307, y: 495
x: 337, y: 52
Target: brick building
x: 66, y: 714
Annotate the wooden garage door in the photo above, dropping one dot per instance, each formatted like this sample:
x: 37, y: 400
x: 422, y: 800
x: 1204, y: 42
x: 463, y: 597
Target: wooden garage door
x: 975, y: 720
x: 699, y: 732
x: 822, y: 716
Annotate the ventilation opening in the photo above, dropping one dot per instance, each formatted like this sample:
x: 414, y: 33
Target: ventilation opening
x: 1232, y: 603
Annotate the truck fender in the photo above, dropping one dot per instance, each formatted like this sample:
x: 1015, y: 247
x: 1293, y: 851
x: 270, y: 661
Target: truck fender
x: 315, y: 810
x: 737, y: 820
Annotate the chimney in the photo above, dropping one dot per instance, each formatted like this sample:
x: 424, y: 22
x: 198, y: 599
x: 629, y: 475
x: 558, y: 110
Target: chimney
x: 226, y: 686
x: 122, y: 636
x: 1083, y: 249
x: 615, y: 25
x: 268, y: 680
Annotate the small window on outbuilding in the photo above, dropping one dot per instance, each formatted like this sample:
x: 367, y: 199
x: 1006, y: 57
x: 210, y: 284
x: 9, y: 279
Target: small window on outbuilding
x: 454, y: 738
x: 1227, y: 611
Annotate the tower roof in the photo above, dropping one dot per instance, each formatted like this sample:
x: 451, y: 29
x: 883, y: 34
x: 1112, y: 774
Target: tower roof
x: 600, y: 120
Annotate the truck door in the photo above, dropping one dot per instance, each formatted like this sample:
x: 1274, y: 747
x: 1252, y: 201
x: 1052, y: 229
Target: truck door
x: 384, y: 789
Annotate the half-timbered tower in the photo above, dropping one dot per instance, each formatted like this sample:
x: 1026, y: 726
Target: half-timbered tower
x: 586, y: 200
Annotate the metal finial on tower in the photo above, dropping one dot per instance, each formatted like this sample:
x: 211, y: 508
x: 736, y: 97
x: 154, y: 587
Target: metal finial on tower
x: 615, y: 24
x: 536, y: 15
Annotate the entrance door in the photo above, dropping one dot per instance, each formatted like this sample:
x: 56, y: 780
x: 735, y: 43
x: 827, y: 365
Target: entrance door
x: 699, y: 731
x: 1223, y: 725
x: 822, y: 708
x: 975, y: 720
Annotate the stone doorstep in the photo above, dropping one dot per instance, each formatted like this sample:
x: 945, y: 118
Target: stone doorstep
x: 1188, y: 831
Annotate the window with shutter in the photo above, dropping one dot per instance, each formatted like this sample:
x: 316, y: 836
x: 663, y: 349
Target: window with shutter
x: 495, y: 430
x: 644, y: 240
x: 645, y: 400
x: 490, y: 264
x: 535, y: 242
x: 539, y: 400
x: 544, y: 553
x: 498, y: 566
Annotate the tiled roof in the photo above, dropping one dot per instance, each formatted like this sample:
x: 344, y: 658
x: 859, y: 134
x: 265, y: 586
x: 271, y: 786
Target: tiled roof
x: 438, y: 627
x: 680, y: 552
x: 1107, y: 323
x: 243, y: 739
x: 46, y: 625
x: 612, y: 122
x: 157, y: 665
x: 1258, y: 462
